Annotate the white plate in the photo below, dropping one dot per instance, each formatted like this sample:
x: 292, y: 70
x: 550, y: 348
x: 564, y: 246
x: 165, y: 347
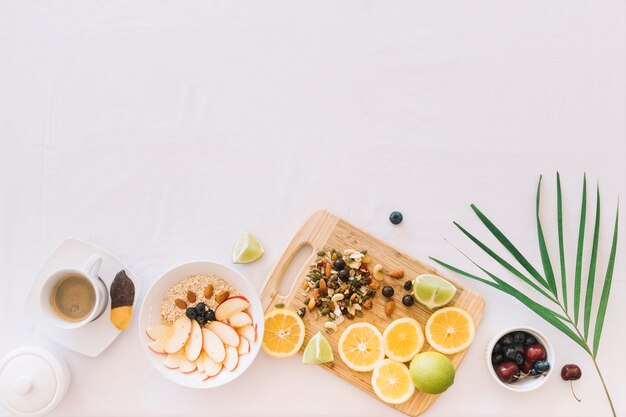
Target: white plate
x: 93, y: 338
x: 150, y: 315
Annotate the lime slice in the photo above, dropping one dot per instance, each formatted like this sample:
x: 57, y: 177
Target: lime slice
x: 318, y: 350
x: 247, y: 249
x: 432, y: 291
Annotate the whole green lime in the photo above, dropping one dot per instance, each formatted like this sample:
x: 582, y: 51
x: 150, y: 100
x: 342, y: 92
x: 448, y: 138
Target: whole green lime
x: 432, y: 372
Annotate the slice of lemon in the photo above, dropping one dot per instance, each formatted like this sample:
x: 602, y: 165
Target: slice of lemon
x: 432, y: 291
x: 361, y: 347
x: 403, y: 339
x: 392, y: 382
x: 247, y: 249
x: 450, y: 330
x: 284, y: 333
x: 318, y: 350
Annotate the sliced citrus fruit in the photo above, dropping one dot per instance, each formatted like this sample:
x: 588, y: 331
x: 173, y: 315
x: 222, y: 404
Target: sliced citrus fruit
x: 403, y: 339
x: 361, y: 347
x: 318, y: 350
x: 247, y: 249
x: 450, y: 330
x: 392, y: 382
x: 432, y: 291
x: 284, y: 333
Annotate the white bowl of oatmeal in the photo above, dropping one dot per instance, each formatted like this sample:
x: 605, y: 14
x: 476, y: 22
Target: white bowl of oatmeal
x: 186, y: 287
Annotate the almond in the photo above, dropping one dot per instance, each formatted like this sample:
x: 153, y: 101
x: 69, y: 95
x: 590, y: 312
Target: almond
x: 219, y: 298
x: 180, y: 303
x: 191, y: 296
x: 328, y: 269
x: 322, y: 284
x: 311, y: 304
x: 208, y: 291
x: 389, y: 307
x: 396, y: 273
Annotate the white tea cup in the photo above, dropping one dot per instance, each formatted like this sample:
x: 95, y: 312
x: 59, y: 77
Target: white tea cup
x: 88, y: 274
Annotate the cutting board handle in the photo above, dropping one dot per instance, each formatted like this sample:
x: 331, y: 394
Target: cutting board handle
x: 310, y: 233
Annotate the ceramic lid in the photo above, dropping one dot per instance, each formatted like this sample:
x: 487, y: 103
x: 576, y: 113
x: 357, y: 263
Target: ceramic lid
x: 32, y: 381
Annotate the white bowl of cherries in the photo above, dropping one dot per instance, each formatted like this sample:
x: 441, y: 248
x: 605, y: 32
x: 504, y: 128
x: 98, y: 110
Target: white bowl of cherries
x: 520, y: 358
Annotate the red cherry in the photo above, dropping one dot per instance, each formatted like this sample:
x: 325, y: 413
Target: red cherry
x: 506, y: 371
x: 527, y: 366
x: 571, y: 372
x: 535, y: 352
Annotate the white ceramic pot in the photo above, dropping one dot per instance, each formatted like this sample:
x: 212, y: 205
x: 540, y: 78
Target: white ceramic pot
x: 526, y: 384
x: 32, y: 381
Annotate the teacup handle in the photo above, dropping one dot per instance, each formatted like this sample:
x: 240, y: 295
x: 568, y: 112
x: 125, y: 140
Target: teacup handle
x: 91, y: 267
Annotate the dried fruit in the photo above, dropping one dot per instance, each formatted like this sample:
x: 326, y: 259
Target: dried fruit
x: 221, y: 297
x: 396, y: 273
x: 191, y: 296
x: 302, y: 312
x: 367, y: 304
x: 208, y: 291
x: 180, y: 304
x: 389, y: 307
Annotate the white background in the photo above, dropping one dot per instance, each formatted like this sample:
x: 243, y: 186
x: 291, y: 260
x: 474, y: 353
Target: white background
x: 162, y: 130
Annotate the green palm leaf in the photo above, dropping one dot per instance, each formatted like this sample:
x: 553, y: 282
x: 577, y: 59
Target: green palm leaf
x: 546, y: 284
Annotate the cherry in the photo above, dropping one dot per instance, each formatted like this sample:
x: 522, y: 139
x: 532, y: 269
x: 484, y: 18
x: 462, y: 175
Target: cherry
x: 506, y: 371
x: 535, y: 352
x: 527, y: 366
x: 571, y: 373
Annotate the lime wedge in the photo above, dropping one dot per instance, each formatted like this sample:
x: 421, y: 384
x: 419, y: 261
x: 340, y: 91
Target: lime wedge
x: 432, y: 291
x: 318, y: 350
x: 247, y: 249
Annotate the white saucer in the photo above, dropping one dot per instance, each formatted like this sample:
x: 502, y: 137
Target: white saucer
x: 93, y: 338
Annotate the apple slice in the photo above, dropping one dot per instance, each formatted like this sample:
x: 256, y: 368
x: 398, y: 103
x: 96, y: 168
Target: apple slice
x: 213, y: 346
x: 244, y: 346
x: 193, y: 346
x: 231, y: 306
x: 200, y: 362
x: 186, y: 365
x: 232, y: 358
x: 243, y: 318
x: 249, y: 332
x: 157, y: 346
x: 225, y: 332
x: 211, y: 368
x: 180, y: 334
x: 158, y: 332
x: 173, y: 360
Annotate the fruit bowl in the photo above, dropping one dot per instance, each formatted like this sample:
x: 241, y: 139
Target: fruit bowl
x: 528, y: 383
x: 150, y: 316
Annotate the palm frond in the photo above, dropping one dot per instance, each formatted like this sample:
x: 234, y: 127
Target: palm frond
x: 591, y: 278
x: 559, y: 215
x: 579, y: 251
x: 543, y: 250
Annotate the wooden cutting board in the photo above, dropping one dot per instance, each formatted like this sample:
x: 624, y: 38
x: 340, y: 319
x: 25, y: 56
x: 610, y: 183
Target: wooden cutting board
x: 324, y: 230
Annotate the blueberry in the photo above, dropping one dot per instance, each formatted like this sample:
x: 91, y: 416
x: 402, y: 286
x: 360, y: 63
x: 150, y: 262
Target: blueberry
x: 509, y: 353
x: 339, y: 264
x: 395, y: 217
x: 497, y: 348
x: 210, y: 315
x: 344, y: 275
x: 200, y: 309
x: 507, y: 339
x: 530, y: 340
x: 519, y: 338
x: 388, y: 291
x: 519, y: 358
x: 408, y: 300
x: 191, y: 313
x: 497, y: 358
x: 408, y: 285
x: 533, y: 372
x: 542, y: 366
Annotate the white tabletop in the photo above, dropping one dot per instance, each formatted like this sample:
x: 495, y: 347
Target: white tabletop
x: 162, y: 130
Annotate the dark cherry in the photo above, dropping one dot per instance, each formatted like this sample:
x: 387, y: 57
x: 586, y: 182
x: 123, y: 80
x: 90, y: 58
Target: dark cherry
x: 527, y: 367
x: 571, y: 372
x: 535, y: 352
x: 506, y: 371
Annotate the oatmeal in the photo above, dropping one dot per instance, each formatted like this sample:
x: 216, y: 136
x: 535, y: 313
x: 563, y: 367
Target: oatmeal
x: 195, y: 289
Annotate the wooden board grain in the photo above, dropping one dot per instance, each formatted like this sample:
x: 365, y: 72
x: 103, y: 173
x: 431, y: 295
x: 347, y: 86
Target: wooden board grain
x: 324, y: 230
